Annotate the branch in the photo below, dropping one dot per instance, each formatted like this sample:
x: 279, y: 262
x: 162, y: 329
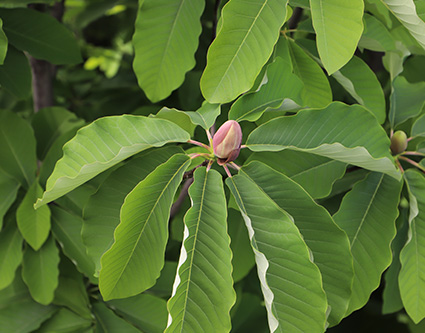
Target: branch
x: 175, y: 208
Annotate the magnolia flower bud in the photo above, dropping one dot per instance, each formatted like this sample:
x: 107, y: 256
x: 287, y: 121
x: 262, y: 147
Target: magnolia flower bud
x: 227, y: 142
x: 398, y: 142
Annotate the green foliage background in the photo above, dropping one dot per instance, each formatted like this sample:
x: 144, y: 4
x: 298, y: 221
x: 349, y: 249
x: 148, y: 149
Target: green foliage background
x: 110, y: 220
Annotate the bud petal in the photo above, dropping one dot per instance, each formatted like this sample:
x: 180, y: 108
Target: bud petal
x: 227, y: 141
x: 398, y: 142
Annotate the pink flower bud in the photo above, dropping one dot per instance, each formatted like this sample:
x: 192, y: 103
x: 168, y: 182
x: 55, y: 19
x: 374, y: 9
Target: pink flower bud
x: 227, y: 142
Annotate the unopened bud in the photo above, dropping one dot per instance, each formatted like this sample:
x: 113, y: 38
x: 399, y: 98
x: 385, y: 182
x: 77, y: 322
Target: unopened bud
x: 227, y: 142
x: 398, y: 142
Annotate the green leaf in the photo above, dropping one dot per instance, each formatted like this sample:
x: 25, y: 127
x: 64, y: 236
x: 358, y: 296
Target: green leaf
x: 418, y: 128
x: 405, y: 11
x: 102, y: 212
x: 348, y: 134
x: 146, y: 312
x: 49, y: 124
x: 3, y: 43
x: 135, y: 259
x: 317, y: 91
x: 107, y: 321
x: 339, y: 26
x: 206, y: 115
x: 391, y: 295
x: 64, y: 321
x: 10, y: 253
x: 40, y: 271
x: 33, y: 224
x: 243, y: 45
x: 316, y: 174
x: 165, y: 40
x: 8, y: 191
x: 203, y: 289
x: 291, y: 283
x: 376, y: 36
x: 281, y: 84
x: 179, y: 118
x: 362, y: 84
x: 412, y: 257
x: 41, y: 35
x: 66, y: 228
x: 328, y: 243
x: 406, y: 101
x: 17, y: 148
x: 15, y: 74
x: 243, y: 259
x: 18, y: 312
x: 367, y: 214
x: 104, y: 143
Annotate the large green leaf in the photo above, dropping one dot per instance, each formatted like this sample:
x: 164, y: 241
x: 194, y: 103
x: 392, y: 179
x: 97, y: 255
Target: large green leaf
x: 178, y: 117
x: 165, y: 41
x: 348, y: 134
x: 17, y: 148
x: 3, y: 43
x: 328, y: 243
x: 291, y: 283
x: 15, y: 74
x: 203, y: 289
x: 418, y: 128
x: 147, y: 312
x: 102, y: 212
x: 65, y: 321
x: 108, y: 322
x: 134, y: 261
x: 244, y: 42
x: 316, y: 174
x: 49, y: 124
x: 8, y: 191
x: 10, y: 253
x: 41, y: 35
x: 281, y: 84
x: 367, y: 214
x: 362, y: 84
x: 34, y: 225
x: 339, y: 26
x: 40, y: 271
x: 66, y: 228
x: 412, y: 257
x: 317, y: 91
x: 104, y: 143
x: 405, y: 11
x: 18, y: 312
x: 376, y: 36
x: 407, y: 100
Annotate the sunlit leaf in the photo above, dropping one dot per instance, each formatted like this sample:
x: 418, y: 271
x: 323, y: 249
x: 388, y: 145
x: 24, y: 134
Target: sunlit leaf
x: 348, y: 134
x: 328, y: 243
x: 338, y: 25
x: 367, y: 214
x: 244, y: 43
x: 203, y: 289
x: 291, y: 283
x: 135, y: 259
x: 104, y: 143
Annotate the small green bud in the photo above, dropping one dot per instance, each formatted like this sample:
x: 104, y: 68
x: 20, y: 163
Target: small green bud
x: 398, y: 142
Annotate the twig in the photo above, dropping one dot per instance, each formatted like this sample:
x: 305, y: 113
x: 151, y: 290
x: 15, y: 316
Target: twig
x: 408, y: 160
x: 175, y: 208
x: 189, y: 174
